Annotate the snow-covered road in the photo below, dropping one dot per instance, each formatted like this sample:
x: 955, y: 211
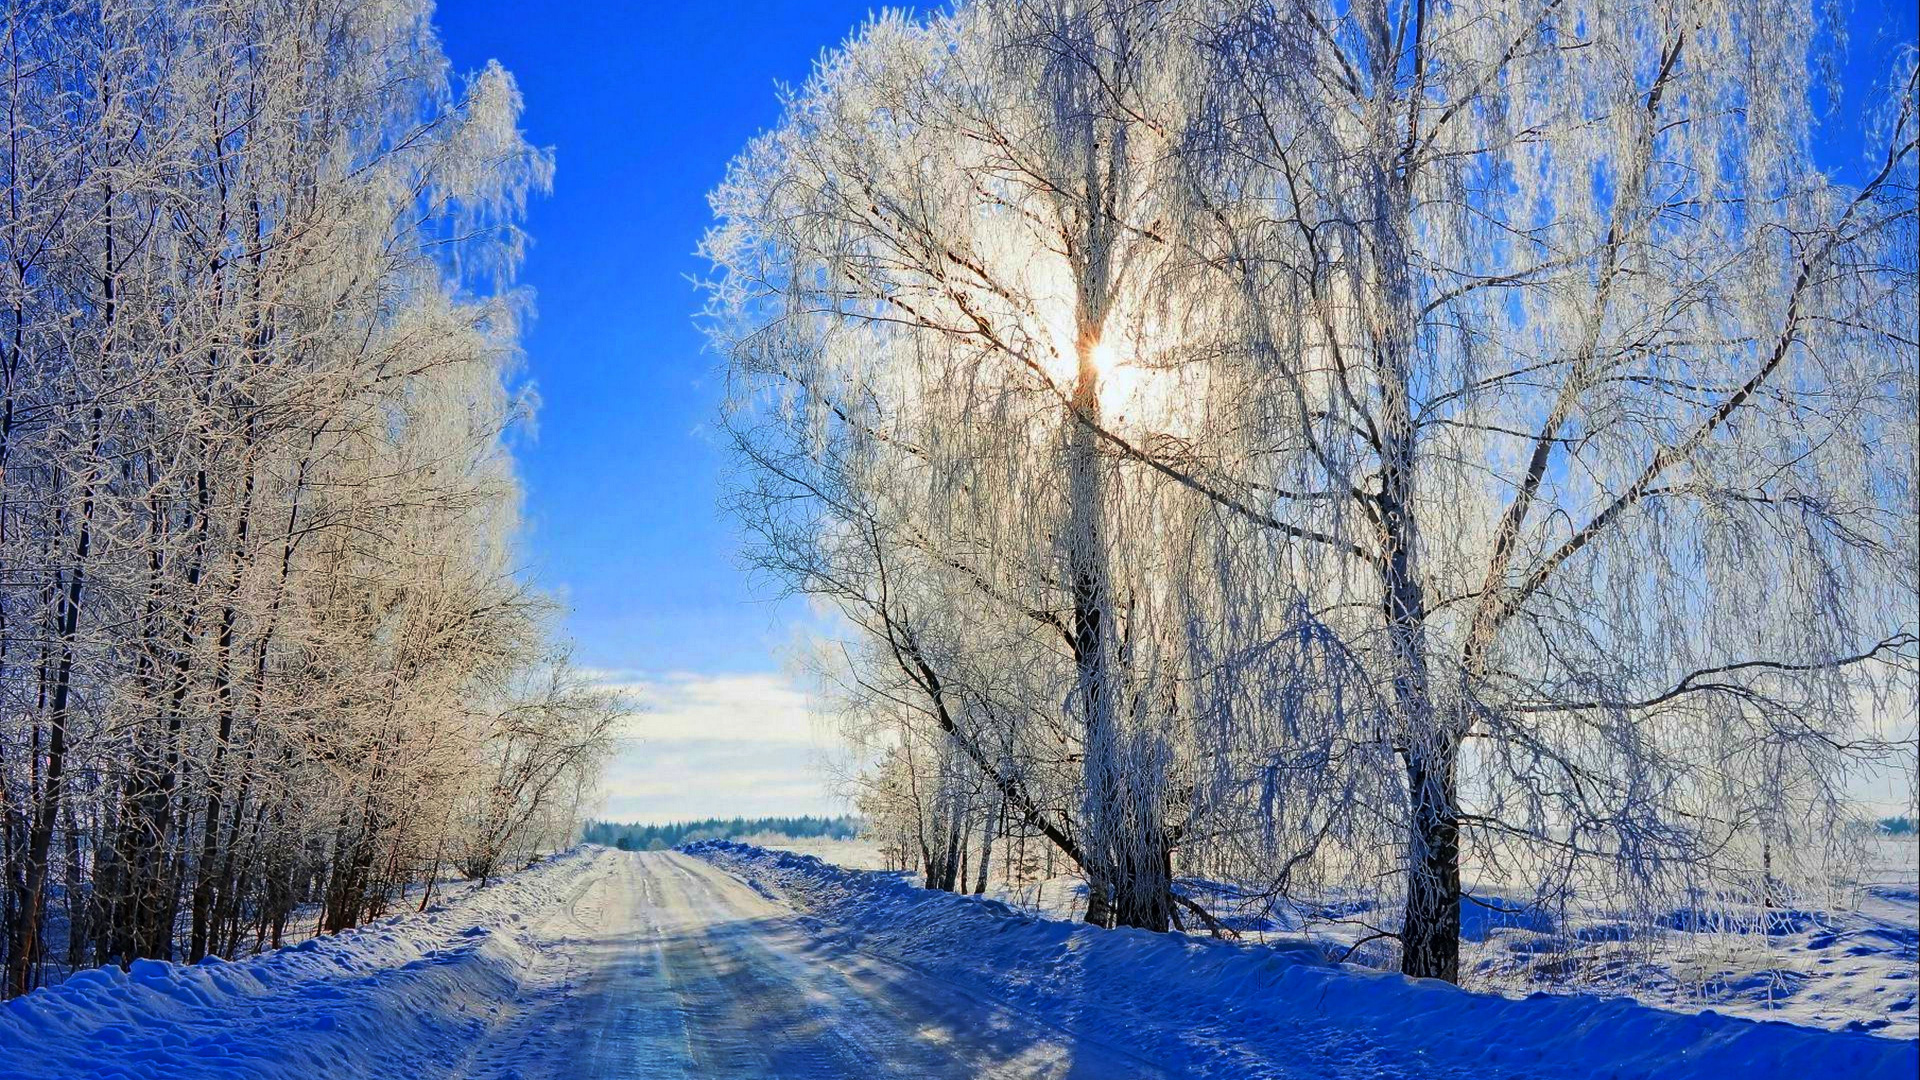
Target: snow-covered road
x: 662, y: 966
x: 734, y: 962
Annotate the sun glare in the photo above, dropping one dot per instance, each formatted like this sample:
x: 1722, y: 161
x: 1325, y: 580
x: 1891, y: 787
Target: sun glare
x: 1104, y: 358
x: 1124, y: 386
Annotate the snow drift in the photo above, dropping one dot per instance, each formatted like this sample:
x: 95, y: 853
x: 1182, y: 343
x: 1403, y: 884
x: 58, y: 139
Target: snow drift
x: 1230, y: 1009
x: 408, y: 995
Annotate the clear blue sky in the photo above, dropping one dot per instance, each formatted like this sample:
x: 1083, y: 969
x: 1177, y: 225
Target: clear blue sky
x: 645, y: 104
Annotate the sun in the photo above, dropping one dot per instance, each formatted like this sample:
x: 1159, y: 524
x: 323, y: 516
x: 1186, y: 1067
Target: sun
x: 1115, y: 368
x: 1121, y: 383
x: 1105, y: 358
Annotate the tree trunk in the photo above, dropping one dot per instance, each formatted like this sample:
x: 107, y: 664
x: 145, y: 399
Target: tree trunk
x: 986, y: 846
x: 950, y: 861
x: 40, y: 835
x: 1430, y: 932
x: 1099, y: 904
x: 204, y: 870
x: 1124, y: 839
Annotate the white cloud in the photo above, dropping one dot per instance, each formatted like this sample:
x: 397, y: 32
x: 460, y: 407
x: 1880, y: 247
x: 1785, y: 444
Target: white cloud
x: 706, y: 745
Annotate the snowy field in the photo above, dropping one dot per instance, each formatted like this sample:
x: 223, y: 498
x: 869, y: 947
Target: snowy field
x: 1849, y: 968
x: 736, y: 961
x: 1850, y: 965
x: 851, y: 854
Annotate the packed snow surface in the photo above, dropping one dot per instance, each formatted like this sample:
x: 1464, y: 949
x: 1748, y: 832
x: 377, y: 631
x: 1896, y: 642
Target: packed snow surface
x: 1846, y: 959
x: 734, y: 961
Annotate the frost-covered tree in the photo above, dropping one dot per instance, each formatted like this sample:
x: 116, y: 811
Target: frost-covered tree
x: 935, y: 256
x: 1608, y: 391
x: 1359, y: 442
x: 260, y: 624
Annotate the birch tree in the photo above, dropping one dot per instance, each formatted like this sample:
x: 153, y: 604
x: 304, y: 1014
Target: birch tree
x: 260, y: 619
x: 1372, y: 438
x: 1612, y: 381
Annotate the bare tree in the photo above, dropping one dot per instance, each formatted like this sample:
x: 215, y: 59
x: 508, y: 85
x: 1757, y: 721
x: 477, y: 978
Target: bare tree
x: 260, y: 612
x: 1350, y: 440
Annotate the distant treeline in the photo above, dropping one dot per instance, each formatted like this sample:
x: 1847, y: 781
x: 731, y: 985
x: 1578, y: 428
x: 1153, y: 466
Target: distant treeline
x: 659, y: 837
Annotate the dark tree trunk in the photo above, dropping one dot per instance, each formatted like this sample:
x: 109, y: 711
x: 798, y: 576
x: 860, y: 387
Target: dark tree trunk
x: 204, y: 870
x: 1147, y: 900
x: 40, y: 835
x: 1430, y: 934
x: 1099, y: 904
x: 986, y: 848
x: 950, y: 861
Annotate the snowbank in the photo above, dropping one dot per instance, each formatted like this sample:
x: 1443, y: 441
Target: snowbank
x: 1845, y: 969
x: 1225, y: 1007
x: 409, y: 995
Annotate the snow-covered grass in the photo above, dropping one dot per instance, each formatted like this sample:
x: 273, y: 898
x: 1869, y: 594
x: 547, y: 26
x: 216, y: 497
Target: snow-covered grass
x: 1844, y: 966
x: 1224, y: 1006
x: 303, y: 923
x: 1850, y: 966
x: 852, y: 854
x: 1840, y: 969
x: 1846, y: 963
x: 409, y: 995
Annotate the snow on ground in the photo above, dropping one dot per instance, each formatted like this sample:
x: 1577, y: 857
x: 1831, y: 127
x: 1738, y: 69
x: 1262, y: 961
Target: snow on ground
x: 1842, y: 969
x: 1224, y: 1009
x: 1847, y: 963
x: 744, y: 962
x: 409, y: 995
x: 1848, y: 967
x: 678, y: 969
x: 304, y: 922
x: 604, y: 964
x: 853, y: 854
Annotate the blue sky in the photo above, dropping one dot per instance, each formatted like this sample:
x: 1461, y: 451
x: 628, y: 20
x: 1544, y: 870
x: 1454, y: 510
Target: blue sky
x: 644, y: 105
